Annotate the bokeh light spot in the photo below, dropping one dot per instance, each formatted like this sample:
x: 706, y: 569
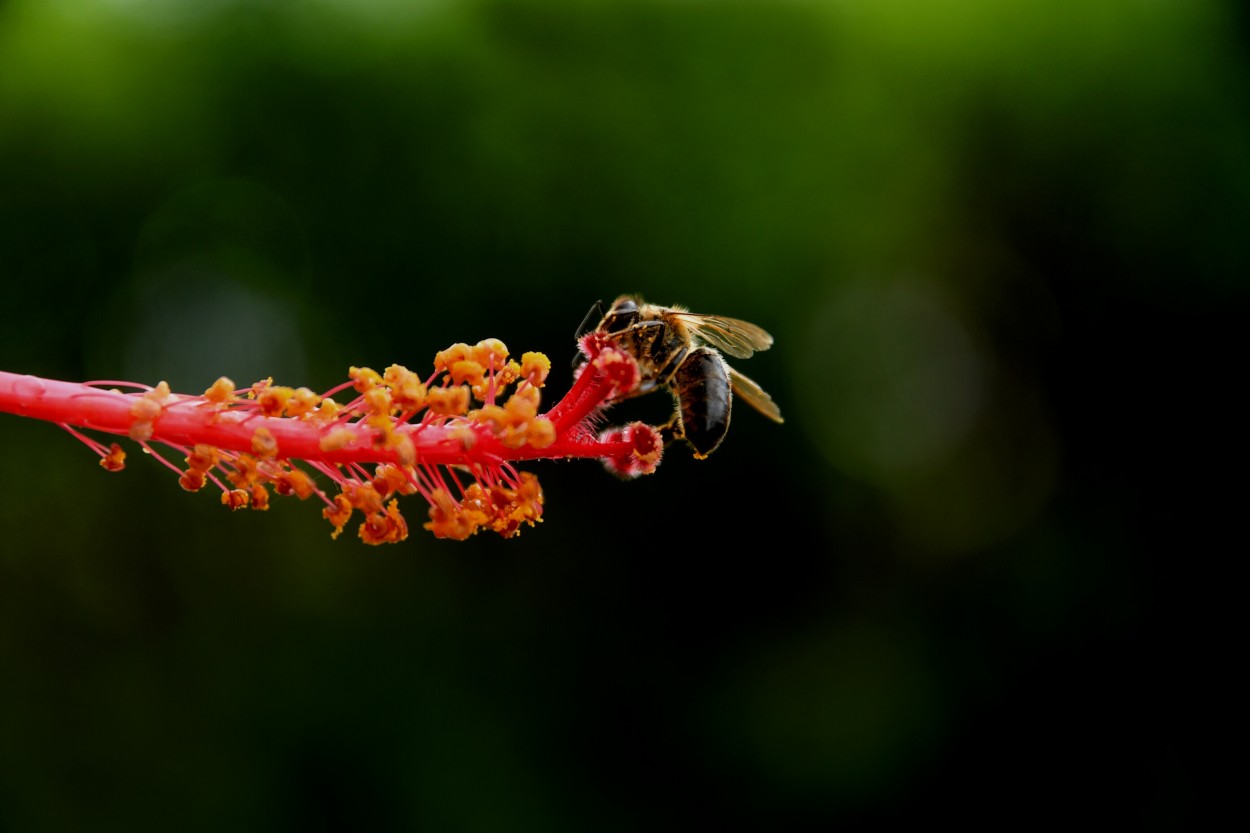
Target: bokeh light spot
x: 897, y: 380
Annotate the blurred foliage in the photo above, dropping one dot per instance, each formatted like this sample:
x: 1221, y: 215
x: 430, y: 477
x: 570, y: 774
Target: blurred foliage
x: 1001, y: 248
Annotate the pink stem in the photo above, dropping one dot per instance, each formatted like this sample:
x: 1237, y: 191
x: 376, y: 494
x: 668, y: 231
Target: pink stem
x: 189, y: 421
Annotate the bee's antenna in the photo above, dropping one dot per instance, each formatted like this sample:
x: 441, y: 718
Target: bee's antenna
x: 593, y: 317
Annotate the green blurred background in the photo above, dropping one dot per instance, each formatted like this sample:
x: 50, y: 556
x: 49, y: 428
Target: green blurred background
x: 1000, y: 246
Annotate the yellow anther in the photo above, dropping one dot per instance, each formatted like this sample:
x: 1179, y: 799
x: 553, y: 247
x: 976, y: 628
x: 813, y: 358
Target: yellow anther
x: 467, y: 371
x: 520, y: 407
x: 260, y: 498
x: 221, y: 391
x: 444, y: 359
x: 338, y: 514
x: 493, y: 416
x: 145, y: 409
x: 302, y: 401
x: 385, y: 427
x: 191, y: 480
x: 203, y: 457
x: 365, y: 498
x: 453, y: 401
x: 391, y: 478
x: 541, y: 432
x: 535, y: 367
x: 407, y: 390
x: 259, y: 387
x: 378, y: 401
x: 115, y: 460
x: 490, y: 352
x: 272, y: 400
x: 245, y: 471
x: 294, y: 482
x: 507, y: 375
x: 513, y: 436
x: 336, y: 439
x: 327, y: 411
x: 263, y: 442
x: 405, y: 450
x: 449, y: 519
x: 464, y: 435
x: 364, y: 378
x: 384, y: 527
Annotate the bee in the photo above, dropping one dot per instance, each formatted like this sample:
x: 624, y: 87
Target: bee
x: 681, y: 350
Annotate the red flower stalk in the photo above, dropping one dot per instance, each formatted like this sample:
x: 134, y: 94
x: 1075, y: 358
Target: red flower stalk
x: 452, y: 437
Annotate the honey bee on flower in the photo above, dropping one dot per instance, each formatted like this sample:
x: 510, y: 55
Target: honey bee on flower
x: 681, y: 350
x: 455, y: 436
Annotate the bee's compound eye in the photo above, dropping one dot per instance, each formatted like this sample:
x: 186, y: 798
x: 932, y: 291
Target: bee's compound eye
x: 624, y: 313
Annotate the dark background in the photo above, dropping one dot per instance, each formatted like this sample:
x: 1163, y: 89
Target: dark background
x: 971, y: 578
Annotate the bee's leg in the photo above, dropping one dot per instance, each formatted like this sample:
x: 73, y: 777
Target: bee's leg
x: 651, y: 330
x: 667, y: 373
x: 671, y: 431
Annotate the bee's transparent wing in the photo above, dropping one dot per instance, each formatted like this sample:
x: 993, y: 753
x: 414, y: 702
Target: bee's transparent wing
x: 734, y: 336
x: 755, y: 396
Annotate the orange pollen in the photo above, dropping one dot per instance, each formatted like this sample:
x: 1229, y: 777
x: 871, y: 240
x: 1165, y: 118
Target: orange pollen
x: 507, y: 375
x: 145, y: 409
x: 467, y: 371
x: 404, y: 448
x: 378, y: 401
x: 115, y: 459
x: 302, y: 401
x: 535, y: 367
x: 384, y: 527
x: 407, y: 391
x: 364, y: 378
x: 295, y: 482
x: 203, y: 457
x: 192, y: 480
x: 464, y: 435
x: 444, y: 359
x: 260, y: 498
x: 492, y: 416
x: 273, y: 400
x: 336, y: 439
x: 541, y: 432
x: 263, y: 442
x: 453, y: 401
x: 393, y: 479
x: 490, y: 352
x: 339, y: 514
x: 327, y: 411
x: 220, y: 392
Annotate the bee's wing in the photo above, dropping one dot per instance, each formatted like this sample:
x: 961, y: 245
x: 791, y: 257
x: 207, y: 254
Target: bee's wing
x: 732, y: 335
x: 754, y: 395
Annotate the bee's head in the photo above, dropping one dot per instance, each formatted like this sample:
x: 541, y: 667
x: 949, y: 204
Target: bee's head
x: 622, y: 315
